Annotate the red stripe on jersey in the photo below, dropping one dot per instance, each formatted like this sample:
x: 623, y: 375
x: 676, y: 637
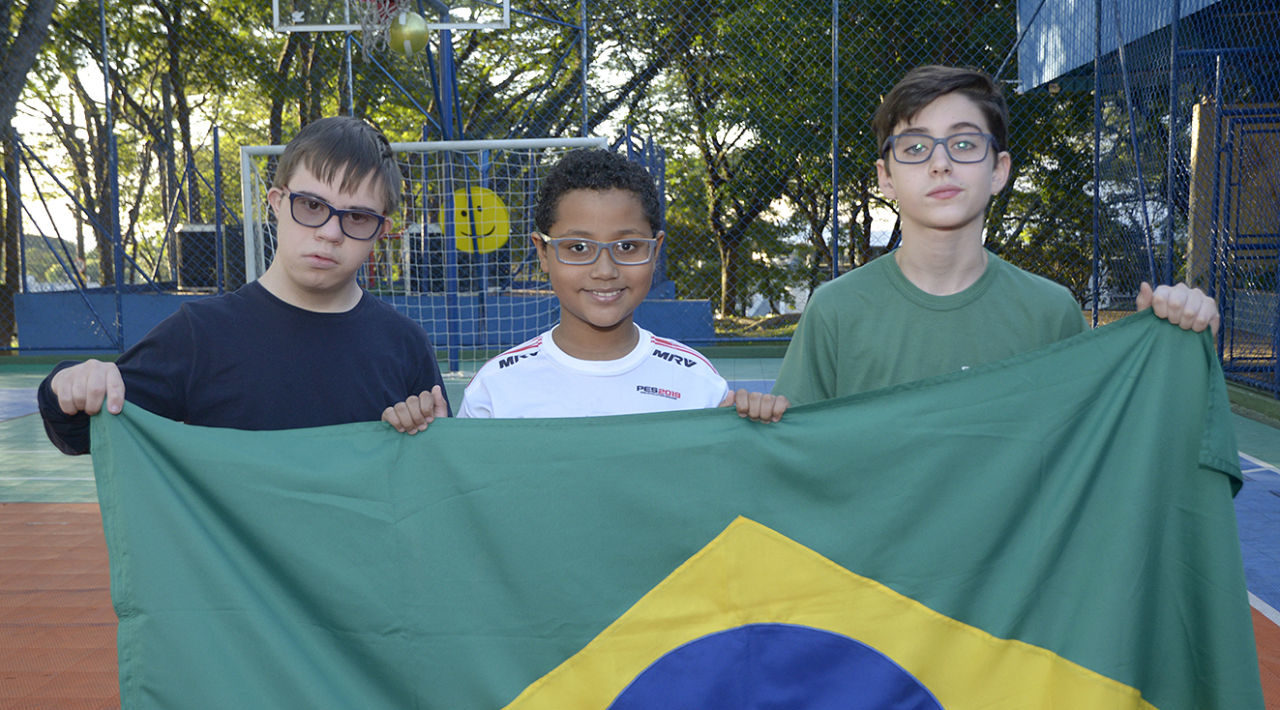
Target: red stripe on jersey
x: 531, y: 345
x: 673, y: 345
x: 527, y: 346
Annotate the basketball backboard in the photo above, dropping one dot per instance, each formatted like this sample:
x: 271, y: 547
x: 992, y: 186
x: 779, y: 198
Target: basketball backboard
x: 345, y: 15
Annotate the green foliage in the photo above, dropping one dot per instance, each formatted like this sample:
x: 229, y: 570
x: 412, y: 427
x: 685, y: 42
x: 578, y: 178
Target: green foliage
x: 1043, y: 221
x: 738, y: 92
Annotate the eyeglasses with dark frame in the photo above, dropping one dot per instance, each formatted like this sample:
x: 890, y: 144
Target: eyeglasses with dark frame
x: 311, y: 211
x: 576, y: 251
x: 913, y: 148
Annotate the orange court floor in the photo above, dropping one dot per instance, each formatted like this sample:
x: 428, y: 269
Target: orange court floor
x: 58, y: 629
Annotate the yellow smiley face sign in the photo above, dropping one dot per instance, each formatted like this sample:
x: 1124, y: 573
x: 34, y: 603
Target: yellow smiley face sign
x: 481, y: 223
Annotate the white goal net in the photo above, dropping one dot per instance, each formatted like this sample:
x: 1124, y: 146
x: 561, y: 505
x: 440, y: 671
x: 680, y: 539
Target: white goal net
x: 458, y: 259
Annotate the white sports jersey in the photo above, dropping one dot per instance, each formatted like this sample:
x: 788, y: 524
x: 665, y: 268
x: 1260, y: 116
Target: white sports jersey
x: 538, y: 379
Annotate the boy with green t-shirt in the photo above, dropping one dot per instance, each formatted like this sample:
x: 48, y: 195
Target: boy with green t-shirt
x: 941, y: 302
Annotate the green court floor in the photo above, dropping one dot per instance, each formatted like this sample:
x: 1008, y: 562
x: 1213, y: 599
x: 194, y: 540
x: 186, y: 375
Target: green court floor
x: 33, y: 471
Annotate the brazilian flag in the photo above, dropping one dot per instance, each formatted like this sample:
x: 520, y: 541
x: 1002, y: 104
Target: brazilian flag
x: 1052, y: 531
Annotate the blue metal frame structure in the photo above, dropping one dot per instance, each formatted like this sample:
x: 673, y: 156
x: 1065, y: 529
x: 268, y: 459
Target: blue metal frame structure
x: 1246, y: 357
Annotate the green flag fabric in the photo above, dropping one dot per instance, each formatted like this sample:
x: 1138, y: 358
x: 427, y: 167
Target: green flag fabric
x: 1055, y: 530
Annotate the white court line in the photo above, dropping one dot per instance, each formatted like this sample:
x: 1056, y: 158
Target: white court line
x: 46, y: 478
x: 1264, y: 608
x: 1259, y: 463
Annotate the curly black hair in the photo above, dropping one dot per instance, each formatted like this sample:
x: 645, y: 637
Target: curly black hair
x: 594, y: 169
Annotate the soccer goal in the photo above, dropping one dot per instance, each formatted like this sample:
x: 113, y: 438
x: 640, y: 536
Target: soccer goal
x: 458, y: 259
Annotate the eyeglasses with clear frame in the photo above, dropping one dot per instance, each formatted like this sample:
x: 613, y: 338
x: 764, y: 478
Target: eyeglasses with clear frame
x: 576, y: 251
x: 311, y: 211
x: 912, y: 148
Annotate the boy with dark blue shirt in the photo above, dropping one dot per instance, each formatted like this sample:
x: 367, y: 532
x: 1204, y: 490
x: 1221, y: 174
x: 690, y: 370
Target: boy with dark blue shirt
x: 302, y: 346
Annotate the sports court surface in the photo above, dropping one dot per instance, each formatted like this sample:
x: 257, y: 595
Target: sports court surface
x: 57, y: 628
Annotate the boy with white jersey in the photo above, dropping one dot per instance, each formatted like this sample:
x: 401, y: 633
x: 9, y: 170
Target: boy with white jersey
x: 540, y: 379
x: 598, y: 218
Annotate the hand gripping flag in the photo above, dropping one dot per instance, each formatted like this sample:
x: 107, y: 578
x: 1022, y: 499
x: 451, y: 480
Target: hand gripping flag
x: 1053, y: 531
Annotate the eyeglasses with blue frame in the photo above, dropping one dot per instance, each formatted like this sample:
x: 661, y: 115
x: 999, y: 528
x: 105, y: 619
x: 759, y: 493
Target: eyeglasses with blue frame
x: 311, y: 211
x: 913, y: 148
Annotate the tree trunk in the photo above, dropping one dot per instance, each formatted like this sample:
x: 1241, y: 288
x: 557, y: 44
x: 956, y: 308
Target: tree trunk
x: 283, y: 67
x: 863, y: 254
x: 996, y: 210
x: 12, y: 238
x: 729, y: 279
x: 80, y: 225
x: 176, y: 37
x: 18, y: 54
x: 315, y: 82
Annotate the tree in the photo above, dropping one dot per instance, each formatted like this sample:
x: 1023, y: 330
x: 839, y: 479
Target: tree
x: 1043, y: 220
x: 703, y: 101
x: 17, y: 55
x: 18, y: 51
x: 174, y: 67
x: 77, y: 121
x: 738, y: 92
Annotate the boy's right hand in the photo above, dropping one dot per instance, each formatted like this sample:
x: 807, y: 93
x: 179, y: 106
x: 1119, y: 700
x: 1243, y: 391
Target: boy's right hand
x: 416, y: 413
x: 757, y: 406
x: 83, y: 387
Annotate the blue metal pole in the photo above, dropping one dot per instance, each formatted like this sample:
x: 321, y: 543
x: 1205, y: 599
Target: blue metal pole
x: 1173, y: 132
x: 449, y: 228
x: 483, y: 178
x: 586, y: 61
x: 351, y: 82
x: 14, y: 183
x: 1220, y: 283
x: 435, y: 83
x: 1217, y: 249
x: 219, y: 253
x: 1215, y: 205
x: 835, y: 138
x: 1097, y: 156
x: 419, y: 279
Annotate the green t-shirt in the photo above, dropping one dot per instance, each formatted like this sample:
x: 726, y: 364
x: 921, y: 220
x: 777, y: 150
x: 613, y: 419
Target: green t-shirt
x: 873, y: 328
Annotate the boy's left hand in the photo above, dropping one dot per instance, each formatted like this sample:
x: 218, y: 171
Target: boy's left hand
x: 757, y: 406
x: 1186, y: 307
x: 417, y: 412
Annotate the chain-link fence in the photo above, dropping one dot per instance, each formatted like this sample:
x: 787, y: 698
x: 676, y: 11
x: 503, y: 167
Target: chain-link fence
x: 1188, y: 151
x: 1144, y: 145
x: 1226, y: 169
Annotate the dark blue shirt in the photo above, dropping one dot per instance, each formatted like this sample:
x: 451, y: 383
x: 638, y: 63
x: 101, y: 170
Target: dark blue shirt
x: 247, y: 360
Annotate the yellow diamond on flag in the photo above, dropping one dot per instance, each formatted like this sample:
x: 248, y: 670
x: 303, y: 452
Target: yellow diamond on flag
x: 752, y: 587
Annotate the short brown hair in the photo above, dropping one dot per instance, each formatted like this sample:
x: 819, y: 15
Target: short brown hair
x: 922, y: 85
x: 350, y: 145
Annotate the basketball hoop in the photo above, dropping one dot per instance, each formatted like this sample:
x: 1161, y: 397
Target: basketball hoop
x: 375, y: 18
